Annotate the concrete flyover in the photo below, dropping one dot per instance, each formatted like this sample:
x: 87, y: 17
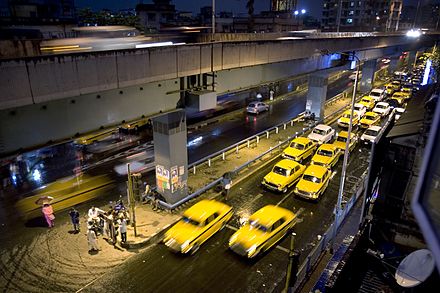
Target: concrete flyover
x: 36, y: 80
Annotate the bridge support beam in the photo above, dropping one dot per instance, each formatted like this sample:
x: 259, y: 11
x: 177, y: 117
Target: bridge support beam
x: 367, y: 79
x: 170, y: 155
x: 317, y: 94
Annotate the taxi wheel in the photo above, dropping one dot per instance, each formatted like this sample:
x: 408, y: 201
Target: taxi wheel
x: 194, y: 249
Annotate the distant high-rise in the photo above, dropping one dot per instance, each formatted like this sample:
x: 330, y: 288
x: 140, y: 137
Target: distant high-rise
x: 283, y: 5
x: 361, y: 15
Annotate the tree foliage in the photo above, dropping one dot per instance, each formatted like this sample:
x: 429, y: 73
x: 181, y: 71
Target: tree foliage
x: 106, y: 17
x: 435, y: 58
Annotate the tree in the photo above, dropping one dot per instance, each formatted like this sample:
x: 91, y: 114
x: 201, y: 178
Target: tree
x: 435, y: 58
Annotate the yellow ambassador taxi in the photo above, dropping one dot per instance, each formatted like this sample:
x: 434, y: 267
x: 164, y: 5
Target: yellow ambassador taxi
x: 344, y: 121
x: 299, y: 149
x: 261, y: 231
x: 368, y: 102
x: 313, y: 182
x: 326, y: 156
x: 407, y: 91
x: 369, y: 119
x: 284, y: 174
x: 401, y: 95
x: 341, y: 140
x: 392, y: 87
x: 135, y: 126
x: 197, y: 225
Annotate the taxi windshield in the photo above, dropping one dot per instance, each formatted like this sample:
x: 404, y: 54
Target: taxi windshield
x: 346, y: 115
x: 340, y: 138
x: 357, y: 107
x: 312, y: 178
x: 190, y: 221
x: 365, y: 100
x: 379, y: 106
x: 318, y: 131
x: 326, y: 153
x: 297, y: 146
x: 280, y: 171
x: 371, y: 132
x: 374, y: 94
x: 369, y: 117
x: 254, y: 224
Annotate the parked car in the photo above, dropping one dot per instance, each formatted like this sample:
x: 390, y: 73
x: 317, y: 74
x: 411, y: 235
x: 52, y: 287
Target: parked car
x: 197, y: 225
x: 313, y: 182
x: 299, y: 149
x: 370, y: 135
x: 382, y: 108
x: 327, y: 156
x: 369, y: 119
x: 284, y: 174
x: 322, y: 134
x: 261, y: 231
x: 360, y: 109
x: 257, y: 107
x: 341, y: 140
x: 378, y: 94
x: 344, y: 121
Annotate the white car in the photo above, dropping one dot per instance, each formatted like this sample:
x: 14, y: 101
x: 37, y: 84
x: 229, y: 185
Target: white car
x: 378, y: 94
x: 370, y: 134
x: 382, y: 108
x: 360, y: 109
x: 322, y: 134
x: 257, y: 107
x: 399, y: 112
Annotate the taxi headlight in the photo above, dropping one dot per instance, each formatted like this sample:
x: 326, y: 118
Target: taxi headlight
x: 184, y: 246
x: 251, y: 250
x: 233, y: 239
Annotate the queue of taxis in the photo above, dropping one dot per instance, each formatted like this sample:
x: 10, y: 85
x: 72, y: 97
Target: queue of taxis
x: 327, y: 156
x: 299, y: 149
x: 284, y: 174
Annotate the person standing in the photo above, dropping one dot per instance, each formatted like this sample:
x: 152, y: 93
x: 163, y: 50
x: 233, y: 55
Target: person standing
x: 74, y: 218
x: 92, y: 240
x: 48, y: 214
x: 123, y: 229
x: 227, y: 183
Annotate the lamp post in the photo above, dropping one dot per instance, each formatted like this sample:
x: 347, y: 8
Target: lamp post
x: 213, y: 20
x: 338, y: 15
x: 338, y: 208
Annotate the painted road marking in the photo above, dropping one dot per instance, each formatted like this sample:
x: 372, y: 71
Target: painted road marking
x: 283, y: 199
x: 282, y: 249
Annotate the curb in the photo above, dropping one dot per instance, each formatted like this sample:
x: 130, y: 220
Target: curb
x: 155, y: 238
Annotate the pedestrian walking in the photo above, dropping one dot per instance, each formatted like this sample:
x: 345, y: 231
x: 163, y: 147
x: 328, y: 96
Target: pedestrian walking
x: 123, y: 229
x: 48, y: 214
x: 146, y: 193
x: 227, y: 183
x: 92, y: 240
x: 74, y: 218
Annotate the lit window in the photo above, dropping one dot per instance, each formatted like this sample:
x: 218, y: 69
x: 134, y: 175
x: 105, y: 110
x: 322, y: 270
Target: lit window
x: 349, y: 20
x: 352, y: 4
x: 351, y: 12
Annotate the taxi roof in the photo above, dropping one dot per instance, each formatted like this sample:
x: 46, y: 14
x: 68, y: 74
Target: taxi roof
x: 316, y: 170
x: 367, y: 97
x: 203, y: 209
x: 287, y: 164
x: 344, y: 133
x: 327, y: 146
x: 371, y: 114
x: 323, y: 127
x: 269, y: 214
x: 301, y: 140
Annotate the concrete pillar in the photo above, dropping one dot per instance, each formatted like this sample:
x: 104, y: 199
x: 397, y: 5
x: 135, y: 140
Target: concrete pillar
x: 394, y: 63
x: 412, y: 55
x: 317, y: 94
x: 170, y: 155
x: 368, y: 70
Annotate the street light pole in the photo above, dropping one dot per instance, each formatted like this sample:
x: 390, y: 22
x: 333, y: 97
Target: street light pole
x: 213, y: 20
x: 338, y: 208
x: 338, y: 16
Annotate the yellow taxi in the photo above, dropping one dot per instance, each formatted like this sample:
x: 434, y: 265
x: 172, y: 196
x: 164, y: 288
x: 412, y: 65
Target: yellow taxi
x: 368, y: 102
x: 344, y: 121
x: 299, y: 149
x: 326, y: 156
x: 369, y: 119
x: 66, y: 192
x: 341, y: 140
x: 284, y: 174
x: 135, y: 125
x: 197, y: 225
x: 397, y: 101
x: 313, y: 182
x: 94, y: 137
x: 401, y: 94
x: 392, y: 87
x: 408, y: 91
x: 262, y: 230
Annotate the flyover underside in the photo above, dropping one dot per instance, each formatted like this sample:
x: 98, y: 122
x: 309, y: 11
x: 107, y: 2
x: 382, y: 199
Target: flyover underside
x: 42, y: 79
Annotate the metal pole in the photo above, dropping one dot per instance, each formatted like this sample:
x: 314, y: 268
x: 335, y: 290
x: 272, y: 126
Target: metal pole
x: 417, y: 14
x: 346, y: 153
x: 338, y: 16
x: 288, y: 286
x: 131, y: 198
x: 213, y: 20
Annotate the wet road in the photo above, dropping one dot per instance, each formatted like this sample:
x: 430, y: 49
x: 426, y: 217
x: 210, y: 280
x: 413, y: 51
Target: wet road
x: 216, y: 269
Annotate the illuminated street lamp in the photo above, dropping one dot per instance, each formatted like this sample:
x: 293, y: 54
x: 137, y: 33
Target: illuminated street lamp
x: 303, y: 11
x: 296, y: 12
